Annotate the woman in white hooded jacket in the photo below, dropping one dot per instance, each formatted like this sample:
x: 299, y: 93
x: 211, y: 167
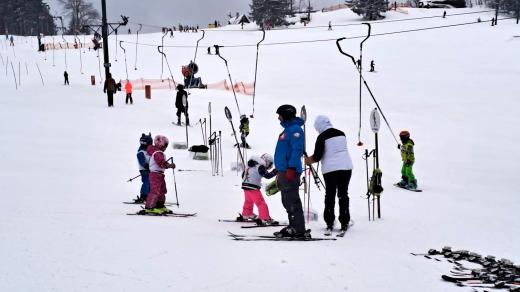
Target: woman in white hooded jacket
x: 336, y: 166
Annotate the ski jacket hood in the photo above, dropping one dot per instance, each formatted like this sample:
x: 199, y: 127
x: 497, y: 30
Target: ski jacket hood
x: 322, y: 123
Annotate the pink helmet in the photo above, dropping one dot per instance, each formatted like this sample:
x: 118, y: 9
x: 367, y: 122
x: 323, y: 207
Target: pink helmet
x: 161, y: 141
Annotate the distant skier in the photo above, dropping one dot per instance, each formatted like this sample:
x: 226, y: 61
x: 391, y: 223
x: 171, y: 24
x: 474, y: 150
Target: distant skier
x: 128, y: 90
x: 158, y: 164
x: 209, y: 50
x: 372, y: 66
x: 11, y: 43
x: 257, y: 167
x: 287, y: 160
x: 331, y: 149
x: 110, y: 88
x: 66, y: 77
x: 143, y: 159
x: 330, y: 25
x: 444, y: 14
x: 179, y: 104
x: 407, y: 154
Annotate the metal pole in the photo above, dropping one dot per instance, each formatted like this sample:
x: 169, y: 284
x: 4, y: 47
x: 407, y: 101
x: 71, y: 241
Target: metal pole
x: 377, y: 167
x: 104, y: 31
x: 496, y: 11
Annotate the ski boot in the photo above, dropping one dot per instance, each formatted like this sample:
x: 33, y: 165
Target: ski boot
x: 303, y: 235
x: 285, y: 232
x: 412, y: 185
x: 403, y: 183
x: 328, y: 230
x: 268, y: 222
x: 247, y: 218
x: 139, y: 200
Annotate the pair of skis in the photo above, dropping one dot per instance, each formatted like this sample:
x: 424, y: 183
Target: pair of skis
x: 251, y: 221
x: 411, y: 190
x: 239, y: 237
x: 178, y: 215
x: 341, y: 233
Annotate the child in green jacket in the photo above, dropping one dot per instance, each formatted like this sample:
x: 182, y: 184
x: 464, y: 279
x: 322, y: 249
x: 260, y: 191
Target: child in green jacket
x: 408, y: 178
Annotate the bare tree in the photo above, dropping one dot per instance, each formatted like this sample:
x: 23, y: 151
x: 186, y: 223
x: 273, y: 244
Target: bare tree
x: 81, y: 13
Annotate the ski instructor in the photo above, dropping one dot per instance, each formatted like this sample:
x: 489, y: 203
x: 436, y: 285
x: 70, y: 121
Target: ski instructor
x: 287, y: 160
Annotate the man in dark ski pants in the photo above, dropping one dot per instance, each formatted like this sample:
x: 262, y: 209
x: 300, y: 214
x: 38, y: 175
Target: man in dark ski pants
x: 110, y: 88
x: 179, y: 104
x: 287, y: 160
x: 331, y: 149
x: 66, y: 77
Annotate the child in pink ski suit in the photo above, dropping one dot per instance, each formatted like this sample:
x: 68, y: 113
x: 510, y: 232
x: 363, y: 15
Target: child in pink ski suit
x: 257, y: 167
x: 158, y: 164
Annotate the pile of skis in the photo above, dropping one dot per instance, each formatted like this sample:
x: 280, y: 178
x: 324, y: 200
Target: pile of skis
x: 493, y: 273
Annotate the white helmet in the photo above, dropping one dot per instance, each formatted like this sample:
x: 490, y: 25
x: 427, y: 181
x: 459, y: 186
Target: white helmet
x: 268, y: 160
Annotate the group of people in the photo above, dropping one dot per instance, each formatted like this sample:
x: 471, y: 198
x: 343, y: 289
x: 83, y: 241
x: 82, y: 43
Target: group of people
x: 111, y: 87
x: 330, y: 149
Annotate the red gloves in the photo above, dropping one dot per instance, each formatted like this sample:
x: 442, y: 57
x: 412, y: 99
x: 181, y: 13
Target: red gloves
x: 290, y: 174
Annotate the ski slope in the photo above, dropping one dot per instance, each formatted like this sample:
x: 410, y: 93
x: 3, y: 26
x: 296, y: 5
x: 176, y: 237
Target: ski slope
x: 66, y: 158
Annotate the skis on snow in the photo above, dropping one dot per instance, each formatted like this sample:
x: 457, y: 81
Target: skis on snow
x: 239, y: 237
x: 341, y: 233
x: 411, y: 190
x: 182, y: 215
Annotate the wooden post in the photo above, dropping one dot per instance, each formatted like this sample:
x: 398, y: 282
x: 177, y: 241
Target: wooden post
x: 148, y: 91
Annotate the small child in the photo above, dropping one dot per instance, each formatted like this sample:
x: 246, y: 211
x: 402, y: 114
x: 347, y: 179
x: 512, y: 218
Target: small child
x: 408, y: 179
x: 244, y: 131
x: 144, y: 169
x: 257, y: 167
x: 158, y: 164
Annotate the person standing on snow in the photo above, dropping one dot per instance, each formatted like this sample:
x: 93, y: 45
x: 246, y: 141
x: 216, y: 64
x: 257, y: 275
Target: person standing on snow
x: 244, y: 131
x: 179, y: 104
x: 128, y: 90
x: 287, y: 160
x: 408, y: 178
x: 257, y: 167
x: 66, y: 77
x: 12, y: 41
x: 144, y: 166
x: 110, y: 88
x: 158, y: 164
x: 331, y: 149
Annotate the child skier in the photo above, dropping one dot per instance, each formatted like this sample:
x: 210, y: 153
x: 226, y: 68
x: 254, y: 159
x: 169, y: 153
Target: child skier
x: 158, y: 164
x: 408, y: 179
x: 257, y: 167
x: 144, y: 167
x: 244, y: 131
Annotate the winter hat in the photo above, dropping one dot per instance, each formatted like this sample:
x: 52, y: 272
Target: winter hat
x: 146, y: 140
x: 404, y: 134
x: 322, y: 123
x: 268, y: 160
x: 287, y: 112
x: 180, y: 87
x: 161, y: 142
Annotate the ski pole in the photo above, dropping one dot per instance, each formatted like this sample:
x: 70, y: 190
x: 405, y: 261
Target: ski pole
x: 174, y: 184
x: 131, y: 179
x: 230, y: 119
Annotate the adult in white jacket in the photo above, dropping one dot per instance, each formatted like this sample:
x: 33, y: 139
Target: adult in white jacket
x: 336, y: 166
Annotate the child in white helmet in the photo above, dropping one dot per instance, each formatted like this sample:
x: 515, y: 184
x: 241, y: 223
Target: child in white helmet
x: 257, y: 167
x: 158, y: 164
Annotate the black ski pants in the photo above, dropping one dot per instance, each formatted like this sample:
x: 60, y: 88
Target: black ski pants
x: 110, y: 95
x: 129, y: 98
x: 337, y: 182
x: 291, y: 201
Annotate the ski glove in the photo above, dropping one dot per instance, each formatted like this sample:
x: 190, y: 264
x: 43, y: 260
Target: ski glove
x: 290, y: 174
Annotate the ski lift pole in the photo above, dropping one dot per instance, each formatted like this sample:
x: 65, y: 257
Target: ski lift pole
x: 360, y: 77
x: 79, y: 50
x: 256, y: 70
x: 367, y: 87
x: 136, y: 44
x: 230, y: 119
x: 162, y: 59
x: 167, y: 64
x: 124, y: 51
x: 217, y: 52
x: 375, y: 125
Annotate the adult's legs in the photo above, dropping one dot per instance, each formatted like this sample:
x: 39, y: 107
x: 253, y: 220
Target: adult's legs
x: 343, y: 199
x: 331, y: 185
x: 291, y: 201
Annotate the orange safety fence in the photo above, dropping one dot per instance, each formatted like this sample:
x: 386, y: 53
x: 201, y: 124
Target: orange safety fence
x: 63, y: 46
x: 139, y: 84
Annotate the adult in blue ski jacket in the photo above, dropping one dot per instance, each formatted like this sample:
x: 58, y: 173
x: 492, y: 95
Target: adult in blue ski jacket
x: 287, y: 160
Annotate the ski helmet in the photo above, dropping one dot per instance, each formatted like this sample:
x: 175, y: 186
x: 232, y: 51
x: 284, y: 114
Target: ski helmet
x: 161, y: 141
x: 287, y: 112
x: 404, y: 134
x: 268, y: 160
x: 146, y: 140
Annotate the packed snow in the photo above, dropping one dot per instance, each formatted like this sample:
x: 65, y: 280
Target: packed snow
x: 67, y: 157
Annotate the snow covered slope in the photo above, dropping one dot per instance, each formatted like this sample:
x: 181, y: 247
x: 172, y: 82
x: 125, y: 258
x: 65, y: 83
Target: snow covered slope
x: 66, y: 158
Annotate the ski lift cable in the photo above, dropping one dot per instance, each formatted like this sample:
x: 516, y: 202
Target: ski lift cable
x: 334, y: 39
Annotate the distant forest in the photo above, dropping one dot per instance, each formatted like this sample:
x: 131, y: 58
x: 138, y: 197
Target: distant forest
x: 26, y: 17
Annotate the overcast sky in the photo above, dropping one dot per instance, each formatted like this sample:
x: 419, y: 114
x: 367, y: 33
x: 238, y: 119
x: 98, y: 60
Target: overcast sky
x: 173, y: 12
